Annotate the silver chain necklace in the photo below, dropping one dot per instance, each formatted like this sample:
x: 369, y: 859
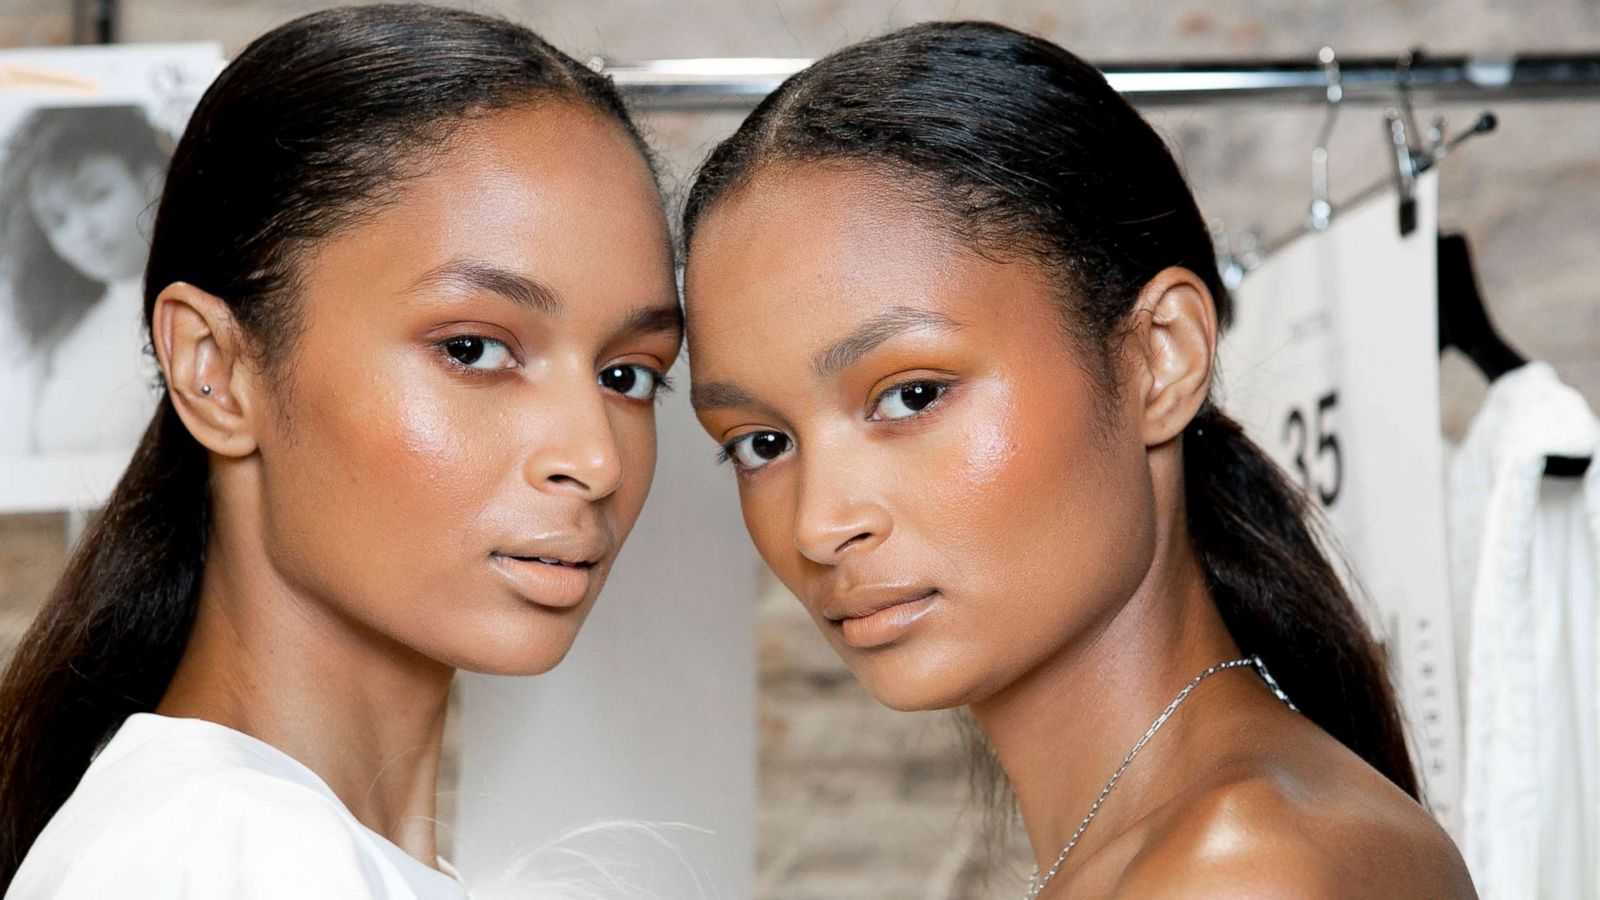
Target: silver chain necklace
x: 1035, y: 883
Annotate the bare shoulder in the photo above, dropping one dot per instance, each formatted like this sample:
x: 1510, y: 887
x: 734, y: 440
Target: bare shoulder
x: 1269, y: 831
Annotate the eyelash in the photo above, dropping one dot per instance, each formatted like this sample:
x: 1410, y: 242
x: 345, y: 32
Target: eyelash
x: 662, y: 383
x: 942, y: 389
x: 725, y: 455
x: 443, y: 347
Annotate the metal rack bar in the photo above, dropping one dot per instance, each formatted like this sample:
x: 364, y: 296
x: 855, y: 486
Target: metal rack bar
x: 739, y: 83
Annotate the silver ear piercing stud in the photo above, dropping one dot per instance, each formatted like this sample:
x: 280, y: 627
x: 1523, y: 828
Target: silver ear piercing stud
x: 205, y: 389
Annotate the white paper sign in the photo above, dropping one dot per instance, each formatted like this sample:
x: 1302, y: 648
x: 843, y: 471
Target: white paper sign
x: 1332, y: 366
x: 85, y: 135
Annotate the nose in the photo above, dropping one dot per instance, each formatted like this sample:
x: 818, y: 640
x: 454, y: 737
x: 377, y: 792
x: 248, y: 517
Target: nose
x: 836, y: 516
x: 578, y: 453
x: 76, y: 231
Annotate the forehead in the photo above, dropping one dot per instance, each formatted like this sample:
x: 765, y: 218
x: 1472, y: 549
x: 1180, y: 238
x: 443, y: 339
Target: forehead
x: 799, y: 256
x: 557, y: 170
x: 796, y: 243
x: 554, y: 191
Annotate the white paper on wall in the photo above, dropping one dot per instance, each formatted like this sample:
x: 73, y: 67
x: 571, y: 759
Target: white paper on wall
x: 1332, y: 367
x: 85, y: 133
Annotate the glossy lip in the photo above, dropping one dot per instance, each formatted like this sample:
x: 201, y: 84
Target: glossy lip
x: 545, y: 584
x: 573, y: 549
x: 881, y: 616
x: 554, y: 570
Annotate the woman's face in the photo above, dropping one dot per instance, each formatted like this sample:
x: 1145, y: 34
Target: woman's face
x: 89, y: 211
x: 922, y: 457
x: 466, y: 429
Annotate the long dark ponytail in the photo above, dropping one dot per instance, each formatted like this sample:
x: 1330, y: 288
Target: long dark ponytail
x: 1023, y: 149
x: 314, y: 125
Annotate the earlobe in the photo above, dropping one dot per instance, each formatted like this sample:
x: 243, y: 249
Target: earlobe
x: 198, y: 344
x: 1177, y: 339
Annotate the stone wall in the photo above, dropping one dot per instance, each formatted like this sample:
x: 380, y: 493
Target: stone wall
x: 858, y: 801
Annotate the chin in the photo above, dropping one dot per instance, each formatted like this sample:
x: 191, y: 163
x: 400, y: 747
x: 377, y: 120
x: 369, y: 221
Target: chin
x: 519, y: 667
x: 513, y: 662
x: 510, y: 651
x: 910, y: 679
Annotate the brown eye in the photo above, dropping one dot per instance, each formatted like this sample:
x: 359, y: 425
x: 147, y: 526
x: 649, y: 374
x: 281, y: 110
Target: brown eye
x: 476, y: 352
x: 633, y: 381
x: 906, y: 400
x: 756, y: 449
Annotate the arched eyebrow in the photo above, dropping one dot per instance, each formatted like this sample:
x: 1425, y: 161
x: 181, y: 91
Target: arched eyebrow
x: 475, y: 274
x: 666, y: 318
x: 719, y: 395
x: 834, y: 358
x: 846, y: 351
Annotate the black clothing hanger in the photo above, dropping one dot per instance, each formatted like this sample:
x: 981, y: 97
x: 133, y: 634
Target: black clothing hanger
x: 1463, y: 319
x: 1465, y: 325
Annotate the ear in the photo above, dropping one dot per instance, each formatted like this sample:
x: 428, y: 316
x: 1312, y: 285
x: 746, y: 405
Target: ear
x: 1175, y: 341
x: 209, y: 379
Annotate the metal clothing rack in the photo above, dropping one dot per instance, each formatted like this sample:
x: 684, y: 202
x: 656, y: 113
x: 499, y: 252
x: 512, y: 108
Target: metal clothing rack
x: 736, y: 84
x: 739, y: 83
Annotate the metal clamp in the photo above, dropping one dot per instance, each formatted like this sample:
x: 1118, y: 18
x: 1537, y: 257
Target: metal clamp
x: 1400, y: 125
x: 1405, y: 169
x: 1321, y: 206
x: 1236, y: 254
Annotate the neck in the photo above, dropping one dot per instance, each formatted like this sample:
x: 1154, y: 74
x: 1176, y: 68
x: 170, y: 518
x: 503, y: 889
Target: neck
x: 363, y: 712
x: 1063, y: 729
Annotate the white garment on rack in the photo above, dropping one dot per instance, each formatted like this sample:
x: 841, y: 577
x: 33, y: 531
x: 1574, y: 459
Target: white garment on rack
x: 1525, y: 553
x: 185, y: 809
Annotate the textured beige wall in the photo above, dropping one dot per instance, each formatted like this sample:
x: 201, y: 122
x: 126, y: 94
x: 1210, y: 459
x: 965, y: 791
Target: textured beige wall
x: 858, y: 801
x: 32, y: 553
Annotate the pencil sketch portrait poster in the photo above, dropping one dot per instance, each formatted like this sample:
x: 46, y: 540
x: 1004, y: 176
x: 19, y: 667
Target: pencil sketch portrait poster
x: 85, y: 137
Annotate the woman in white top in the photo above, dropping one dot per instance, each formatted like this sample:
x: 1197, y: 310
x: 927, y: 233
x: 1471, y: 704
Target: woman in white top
x: 410, y: 288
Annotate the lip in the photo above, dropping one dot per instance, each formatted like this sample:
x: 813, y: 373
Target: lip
x: 545, y: 584
x: 577, y: 548
x: 873, y: 621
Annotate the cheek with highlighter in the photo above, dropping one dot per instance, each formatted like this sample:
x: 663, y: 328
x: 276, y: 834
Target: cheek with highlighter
x: 406, y: 487
x: 385, y: 464
x: 1017, y: 501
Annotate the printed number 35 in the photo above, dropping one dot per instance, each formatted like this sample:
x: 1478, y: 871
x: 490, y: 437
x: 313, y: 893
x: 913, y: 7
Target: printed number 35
x: 1298, y: 435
